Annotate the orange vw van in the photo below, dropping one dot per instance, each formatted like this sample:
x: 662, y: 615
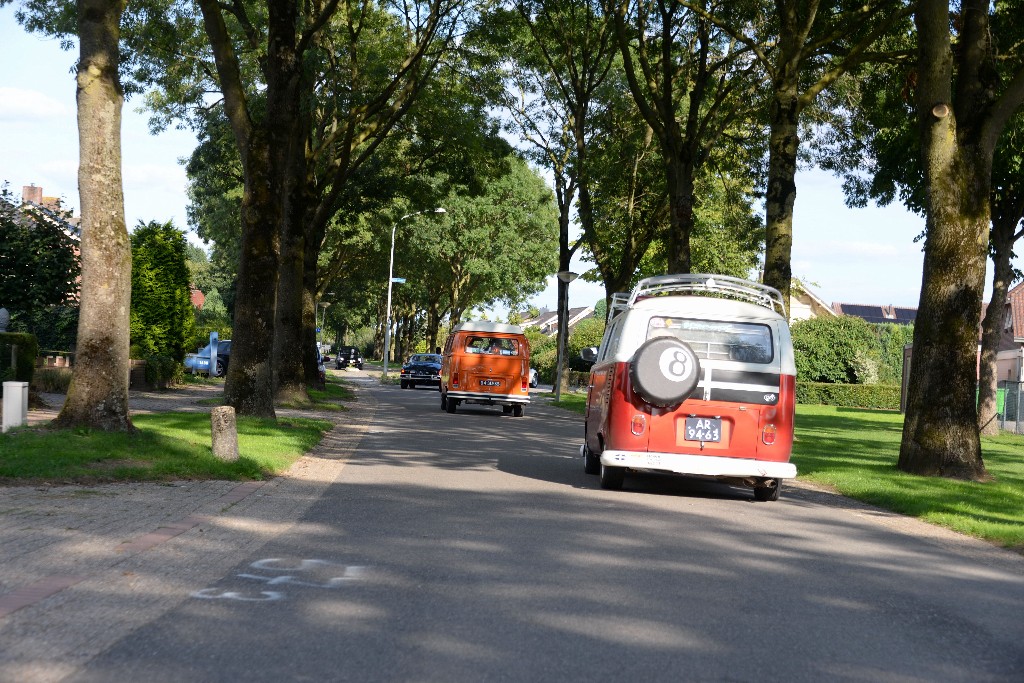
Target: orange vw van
x: 486, y: 363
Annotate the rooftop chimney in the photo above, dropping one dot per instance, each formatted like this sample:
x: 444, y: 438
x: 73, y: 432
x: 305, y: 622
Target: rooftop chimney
x: 31, y: 193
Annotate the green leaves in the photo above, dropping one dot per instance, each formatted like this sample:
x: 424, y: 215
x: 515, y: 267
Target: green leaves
x: 161, y: 313
x: 39, y: 264
x: 848, y: 350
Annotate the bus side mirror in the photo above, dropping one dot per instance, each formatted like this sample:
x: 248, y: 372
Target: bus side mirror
x: 589, y: 354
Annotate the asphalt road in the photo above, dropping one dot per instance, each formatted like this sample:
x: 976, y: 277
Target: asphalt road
x: 472, y: 547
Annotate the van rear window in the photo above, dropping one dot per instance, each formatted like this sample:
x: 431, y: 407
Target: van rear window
x: 499, y: 346
x: 716, y: 340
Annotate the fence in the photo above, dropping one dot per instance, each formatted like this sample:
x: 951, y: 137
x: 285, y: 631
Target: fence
x: 1013, y: 408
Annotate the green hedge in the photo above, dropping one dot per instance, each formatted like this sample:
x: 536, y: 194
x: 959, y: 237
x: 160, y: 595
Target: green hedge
x: 881, y: 396
x: 162, y: 371
x: 24, y: 361
x: 51, y: 380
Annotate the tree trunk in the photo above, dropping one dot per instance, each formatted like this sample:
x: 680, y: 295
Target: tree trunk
x: 940, y: 433
x: 992, y: 328
x: 679, y: 175
x: 783, y: 143
x: 249, y: 386
x: 294, y: 330
x: 98, y: 395
x: 565, y: 193
x: 310, y: 298
x: 289, y: 346
x: 433, y: 325
x: 294, y: 342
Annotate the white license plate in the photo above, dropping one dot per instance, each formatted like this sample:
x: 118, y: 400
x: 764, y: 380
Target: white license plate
x: 704, y: 429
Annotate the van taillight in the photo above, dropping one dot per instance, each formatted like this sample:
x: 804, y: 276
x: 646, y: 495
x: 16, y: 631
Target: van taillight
x: 524, y: 385
x: 638, y: 425
x: 455, y: 380
x: 768, y: 435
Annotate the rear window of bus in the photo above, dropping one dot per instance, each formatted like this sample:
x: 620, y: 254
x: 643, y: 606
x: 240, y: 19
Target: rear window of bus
x: 498, y: 346
x: 717, y: 340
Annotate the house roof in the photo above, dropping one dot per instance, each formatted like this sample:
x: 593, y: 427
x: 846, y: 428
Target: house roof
x: 1015, y: 300
x: 799, y: 286
x: 874, y: 313
x: 547, y: 322
x: 48, y: 209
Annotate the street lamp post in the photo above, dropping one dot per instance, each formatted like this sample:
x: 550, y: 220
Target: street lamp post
x: 564, y: 277
x: 391, y: 279
x: 323, y: 319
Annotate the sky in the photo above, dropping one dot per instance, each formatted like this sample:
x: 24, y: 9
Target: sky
x: 858, y: 256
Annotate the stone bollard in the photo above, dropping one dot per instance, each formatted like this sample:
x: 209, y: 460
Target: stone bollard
x: 224, y: 433
x: 15, y: 407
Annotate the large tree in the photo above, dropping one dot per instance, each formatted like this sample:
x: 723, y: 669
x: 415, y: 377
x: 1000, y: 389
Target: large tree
x: 692, y: 83
x: 494, y: 247
x: 98, y: 395
x: 815, y: 44
x: 874, y: 144
x: 803, y: 47
x: 555, y: 82
x: 375, y: 62
x: 962, y: 106
x: 1007, y: 202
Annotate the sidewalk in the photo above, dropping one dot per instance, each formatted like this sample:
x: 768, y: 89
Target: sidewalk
x: 81, y: 566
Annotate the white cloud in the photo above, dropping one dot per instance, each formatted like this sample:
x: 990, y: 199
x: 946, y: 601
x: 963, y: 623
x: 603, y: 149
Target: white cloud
x: 169, y: 177
x: 18, y: 105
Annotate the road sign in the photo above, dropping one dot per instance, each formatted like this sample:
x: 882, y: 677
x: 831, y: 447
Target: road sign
x: 398, y: 280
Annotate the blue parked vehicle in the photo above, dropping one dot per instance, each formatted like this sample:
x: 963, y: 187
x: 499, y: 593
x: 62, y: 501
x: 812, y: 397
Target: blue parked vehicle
x: 199, y: 363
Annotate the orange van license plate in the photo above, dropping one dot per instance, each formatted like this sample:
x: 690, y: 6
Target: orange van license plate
x: 490, y: 383
x: 703, y: 429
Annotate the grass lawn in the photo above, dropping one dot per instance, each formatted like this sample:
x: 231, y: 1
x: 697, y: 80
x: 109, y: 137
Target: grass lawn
x: 171, y: 445
x: 166, y: 446
x: 854, y: 452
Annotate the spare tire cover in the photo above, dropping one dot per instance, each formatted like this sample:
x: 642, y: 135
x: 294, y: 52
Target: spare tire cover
x: 664, y: 371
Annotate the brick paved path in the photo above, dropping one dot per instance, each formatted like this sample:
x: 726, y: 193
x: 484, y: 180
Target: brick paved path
x: 81, y: 566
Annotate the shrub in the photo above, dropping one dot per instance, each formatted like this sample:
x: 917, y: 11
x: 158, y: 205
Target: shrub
x: 544, y: 362
x: 879, y: 396
x: 587, y: 333
x: 162, y: 370
x: 841, y: 349
x: 51, y: 380
x: 24, y: 360
x: 891, y: 340
x: 162, y: 316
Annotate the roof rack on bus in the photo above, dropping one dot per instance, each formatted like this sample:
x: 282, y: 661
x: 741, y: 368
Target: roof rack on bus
x: 732, y: 287
x: 620, y: 301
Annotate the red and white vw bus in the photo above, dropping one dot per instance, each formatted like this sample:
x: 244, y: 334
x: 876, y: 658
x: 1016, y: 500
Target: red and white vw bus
x: 695, y: 375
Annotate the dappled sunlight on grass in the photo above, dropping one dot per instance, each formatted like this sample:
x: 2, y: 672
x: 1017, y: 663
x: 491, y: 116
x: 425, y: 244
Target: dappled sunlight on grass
x: 856, y: 451
x: 173, y: 445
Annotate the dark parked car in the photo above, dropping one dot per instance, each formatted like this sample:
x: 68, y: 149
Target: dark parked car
x: 421, y: 368
x: 348, y: 356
